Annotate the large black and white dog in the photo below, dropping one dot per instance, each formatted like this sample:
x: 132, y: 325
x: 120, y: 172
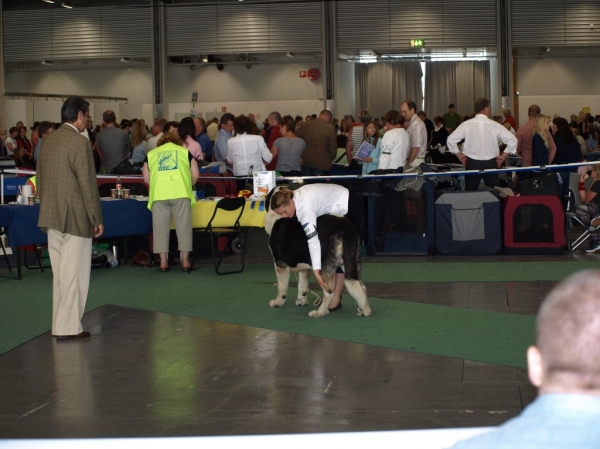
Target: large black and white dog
x: 340, y: 245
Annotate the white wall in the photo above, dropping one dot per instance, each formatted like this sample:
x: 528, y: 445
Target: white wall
x: 261, y: 89
x: 134, y: 84
x: 18, y: 110
x: 559, y: 86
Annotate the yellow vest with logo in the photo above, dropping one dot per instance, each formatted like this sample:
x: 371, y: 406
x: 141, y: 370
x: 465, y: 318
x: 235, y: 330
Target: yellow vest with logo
x: 170, y: 174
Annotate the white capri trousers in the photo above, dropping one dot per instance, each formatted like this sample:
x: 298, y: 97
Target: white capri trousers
x: 181, y: 211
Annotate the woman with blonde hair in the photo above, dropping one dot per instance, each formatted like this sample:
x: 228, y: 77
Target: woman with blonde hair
x: 138, y: 140
x: 539, y: 143
x: 309, y: 202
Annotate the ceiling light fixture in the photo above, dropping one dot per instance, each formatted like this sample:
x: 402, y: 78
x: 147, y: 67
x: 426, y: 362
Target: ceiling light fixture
x: 48, y: 1
x: 66, y: 5
x: 204, y: 58
x: 289, y: 54
x: 125, y: 60
x: 45, y: 62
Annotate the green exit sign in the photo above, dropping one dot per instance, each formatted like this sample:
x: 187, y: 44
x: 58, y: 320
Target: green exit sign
x: 417, y: 43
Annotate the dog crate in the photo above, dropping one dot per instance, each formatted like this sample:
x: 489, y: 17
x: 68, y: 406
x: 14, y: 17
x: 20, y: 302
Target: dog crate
x: 468, y: 223
x: 402, y: 223
x: 534, y: 225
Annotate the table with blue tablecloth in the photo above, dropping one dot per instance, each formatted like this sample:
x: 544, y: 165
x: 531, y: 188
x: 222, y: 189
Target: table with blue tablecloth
x: 11, y: 185
x: 121, y: 218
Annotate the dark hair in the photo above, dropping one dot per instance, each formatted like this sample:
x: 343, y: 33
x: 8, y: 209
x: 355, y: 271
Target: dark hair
x: 72, y: 107
x: 202, y: 122
x: 227, y: 117
x: 324, y: 113
x: 168, y: 126
x: 411, y: 105
x: 275, y: 116
x: 289, y: 122
x: 299, y: 118
x: 534, y: 110
x: 12, y: 129
x: 125, y: 123
x: 394, y: 118
x: 451, y: 105
x: 186, y: 128
x: 109, y: 116
x: 242, y: 124
x: 481, y: 104
x: 43, y: 128
x: 438, y: 119
x: 376, y: 136
x: 562, y: 129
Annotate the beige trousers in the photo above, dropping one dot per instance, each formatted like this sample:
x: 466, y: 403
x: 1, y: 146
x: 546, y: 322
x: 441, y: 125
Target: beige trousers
x: 71, y: 259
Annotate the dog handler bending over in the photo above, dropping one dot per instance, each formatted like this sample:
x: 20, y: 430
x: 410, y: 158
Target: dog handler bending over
x: 311, y: 201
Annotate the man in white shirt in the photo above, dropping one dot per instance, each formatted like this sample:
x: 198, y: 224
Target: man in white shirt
x: 157, y: 132
x: 480, y: 149
x: 417, y: 133
x: 395, y: 144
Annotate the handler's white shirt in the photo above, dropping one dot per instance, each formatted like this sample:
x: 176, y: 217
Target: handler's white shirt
x: 481, y: 136
x: 395, y: 147
x: 312, y: 201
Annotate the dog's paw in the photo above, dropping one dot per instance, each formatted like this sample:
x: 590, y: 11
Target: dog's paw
x: 302, y: 301
x: 317, y: 314
x: 362, y: 312
x: 276, y: 303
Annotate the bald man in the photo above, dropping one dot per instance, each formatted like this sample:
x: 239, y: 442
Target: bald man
x: 565, y: 366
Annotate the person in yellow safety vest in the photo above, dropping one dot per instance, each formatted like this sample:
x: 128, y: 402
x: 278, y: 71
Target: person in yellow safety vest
x: 31, y: 182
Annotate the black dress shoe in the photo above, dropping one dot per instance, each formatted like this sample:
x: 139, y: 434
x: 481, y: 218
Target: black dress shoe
x: 189, y: 269
x: 83, y: 334
x: 338, y: 307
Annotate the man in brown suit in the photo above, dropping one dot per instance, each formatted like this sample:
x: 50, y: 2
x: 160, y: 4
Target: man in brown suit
x: 321, y: 145
x: 70, y: 213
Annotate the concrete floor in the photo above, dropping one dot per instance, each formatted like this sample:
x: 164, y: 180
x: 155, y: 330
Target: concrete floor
x: 153, y: 374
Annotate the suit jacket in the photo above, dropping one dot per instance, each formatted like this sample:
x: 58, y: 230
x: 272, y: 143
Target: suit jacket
x: 114, y: 145
x: 321, y: 144
x: 66, y: 184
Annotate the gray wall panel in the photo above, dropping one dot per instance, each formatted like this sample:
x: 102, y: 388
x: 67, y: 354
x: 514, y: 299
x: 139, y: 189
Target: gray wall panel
x: 77, y: 33
x: 391, y: 24
x: 555, y: 22
x: 231, y: 28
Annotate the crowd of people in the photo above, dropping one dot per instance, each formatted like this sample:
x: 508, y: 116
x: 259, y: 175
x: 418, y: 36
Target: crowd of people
x: 297, y: 146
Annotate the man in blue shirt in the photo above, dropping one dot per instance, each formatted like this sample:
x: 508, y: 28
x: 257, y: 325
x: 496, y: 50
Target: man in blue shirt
x: 565, y: 366
x: 202, y: 138
x: 225, y: 131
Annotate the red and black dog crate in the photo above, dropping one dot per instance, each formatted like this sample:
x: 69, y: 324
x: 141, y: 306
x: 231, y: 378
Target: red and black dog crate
x: 534, y: 225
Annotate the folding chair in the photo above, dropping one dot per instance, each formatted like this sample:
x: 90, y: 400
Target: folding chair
x: 228, y: 207
x: 4, y: 250
x: 573, y: 200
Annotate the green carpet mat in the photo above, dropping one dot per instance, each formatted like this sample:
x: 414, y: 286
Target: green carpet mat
x: 243, y: 299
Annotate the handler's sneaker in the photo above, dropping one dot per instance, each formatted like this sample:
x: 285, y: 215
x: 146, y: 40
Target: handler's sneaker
x: 594, y: 246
